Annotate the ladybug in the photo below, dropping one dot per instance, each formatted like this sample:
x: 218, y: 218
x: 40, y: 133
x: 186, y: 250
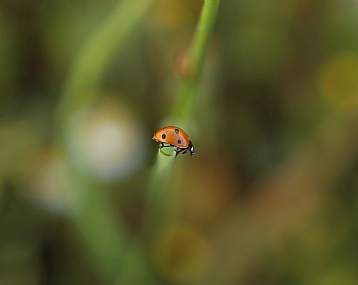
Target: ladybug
x: 175, y: 137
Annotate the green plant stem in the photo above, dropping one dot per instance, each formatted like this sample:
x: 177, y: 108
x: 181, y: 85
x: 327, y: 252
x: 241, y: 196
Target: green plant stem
x: 187, y: 94
x: 182, y: 113
x: 202, y: 37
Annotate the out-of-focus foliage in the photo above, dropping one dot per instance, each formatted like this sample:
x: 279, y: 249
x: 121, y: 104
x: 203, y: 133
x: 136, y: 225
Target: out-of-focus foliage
x: 271, y: 198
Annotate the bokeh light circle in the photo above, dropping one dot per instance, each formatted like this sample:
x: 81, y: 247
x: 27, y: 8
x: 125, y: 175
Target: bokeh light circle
x: 106, y: 140
x: 338, y: 81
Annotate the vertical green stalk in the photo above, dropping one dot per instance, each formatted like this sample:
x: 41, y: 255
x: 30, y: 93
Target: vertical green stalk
x: 188, y: 89
x: 182, y: 112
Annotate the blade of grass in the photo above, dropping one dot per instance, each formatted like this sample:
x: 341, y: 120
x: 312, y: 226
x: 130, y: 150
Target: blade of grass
x: 181, y: 113
x: 188, y: 89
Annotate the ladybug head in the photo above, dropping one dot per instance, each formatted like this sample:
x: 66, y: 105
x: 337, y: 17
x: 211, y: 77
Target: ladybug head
x: 191, y: 149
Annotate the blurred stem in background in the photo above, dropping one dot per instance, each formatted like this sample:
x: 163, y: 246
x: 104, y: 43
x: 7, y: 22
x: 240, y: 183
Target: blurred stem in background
x: 159, y: 200
x: 90, y: 64
x: 102, y: 236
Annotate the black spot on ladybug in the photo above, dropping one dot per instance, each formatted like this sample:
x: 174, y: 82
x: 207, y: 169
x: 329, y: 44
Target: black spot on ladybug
x: 176, y: 131
x: 163, y: 136
x: 179, y: 141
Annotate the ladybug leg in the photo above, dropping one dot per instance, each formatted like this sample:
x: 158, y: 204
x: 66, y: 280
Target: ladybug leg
x: 179, y: 150
x: 162, y: 145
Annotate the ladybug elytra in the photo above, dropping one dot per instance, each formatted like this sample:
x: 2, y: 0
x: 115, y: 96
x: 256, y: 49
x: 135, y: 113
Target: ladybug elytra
x: 174, y: 137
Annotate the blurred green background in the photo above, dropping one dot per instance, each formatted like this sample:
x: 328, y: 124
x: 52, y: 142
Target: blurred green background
x: 271, y: 198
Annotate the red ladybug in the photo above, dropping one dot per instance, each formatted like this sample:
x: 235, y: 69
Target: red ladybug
x: 176, y: 137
